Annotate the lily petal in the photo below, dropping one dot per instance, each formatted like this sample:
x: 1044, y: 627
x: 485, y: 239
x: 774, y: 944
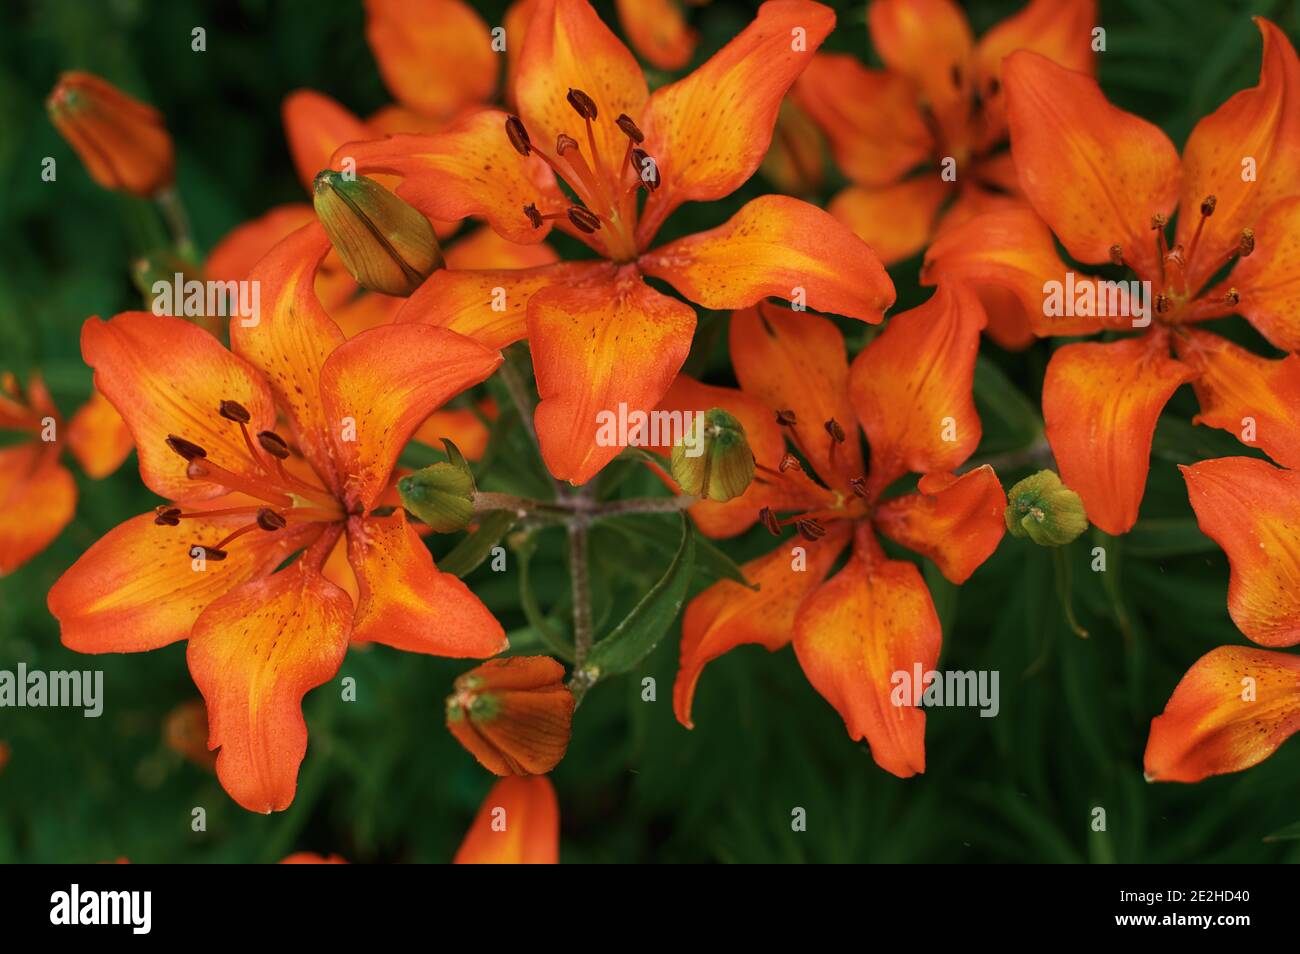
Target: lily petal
x: 98, y: 438
x: 137, y: 587
x: 1268, y: 282
x: 316, y: 125
x: 584, y: 340
x: 1232, y: 710
x: 408, y: 603
x: 517, y: 824
x: 37, y: 499
x: 876, y: 131
x: 955, y: 521
x: 895, y: 220
x: 658, y: 32
x: 1100, y: 406
x: 1060, y: 30
x: 868, y: 622
x: 710, y: 131
x: 484, y: 248
x: 912, y: 387
x: 380, y: 386
x: 782, y: 247
x: 254, y: 654
x: 1252, y: 510
x: 727, y: 615
x: 1244, y: 394
x: 796, y: 361
x: 180, y: 395
x: 290, y: 338
x: 491, y: 306
x: 1262, y: 123
x: 435, y: 56
x: 929, y: 42
x: 1095, y: 173
x: 471, y: 169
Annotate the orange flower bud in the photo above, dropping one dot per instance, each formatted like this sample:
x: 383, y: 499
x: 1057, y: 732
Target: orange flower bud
x: 185, y: 731
x: 514, y: 715
x: 123, y: 142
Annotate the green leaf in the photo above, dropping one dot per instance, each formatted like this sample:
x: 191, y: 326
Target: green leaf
x: 997, y: 397
x: 636, y: 637
x: 1290, y: 833
x: 1167, y: 537
x: 474, y: 549
x: 659, y: 534
x: 559, y: 644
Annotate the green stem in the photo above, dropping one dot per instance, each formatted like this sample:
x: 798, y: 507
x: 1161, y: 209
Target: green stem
x: 579, y: 575
x: 178, y: 223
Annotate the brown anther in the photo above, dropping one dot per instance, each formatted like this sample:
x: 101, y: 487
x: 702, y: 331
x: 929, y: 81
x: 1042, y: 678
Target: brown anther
x: 534, y: 216
x: 518, y: 135
x: 167, y: 516
x: 835, y: 431
x: 1233, y: 297
x: 630, y: 129
x: 268, y: 519
x: 1247, y: 243
x: 1162, y: 303
x: 1207, y: 205
x: 187, y: 449
x: 584, y: 220
x: 810, y: 529
x: 234, y: 411
x: 789, y: 462
x: 1159, y: 221
x: 273, y: 444
x: 1117, y: 254
x: 646, y: 169
x: 768, y: 519
x: 564, y: 142
x: 208, y: 553
x: 785, y: 418
x: 859, y: 486
x: 582, y: 104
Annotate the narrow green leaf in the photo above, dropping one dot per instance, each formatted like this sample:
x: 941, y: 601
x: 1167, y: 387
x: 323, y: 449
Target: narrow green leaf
x: 653, y: 530
x: 1167, y: 537
x: 636, y: 637
x: 474, y: 549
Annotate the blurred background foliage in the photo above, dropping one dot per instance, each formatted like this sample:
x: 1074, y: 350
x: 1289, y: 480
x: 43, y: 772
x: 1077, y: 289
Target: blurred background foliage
x: 383, y: 780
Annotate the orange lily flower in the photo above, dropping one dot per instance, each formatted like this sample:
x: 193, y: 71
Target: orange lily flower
x: 123, y: 143
x: 514, y: 715
x: 312, y: 858
x: 1236, y: 705
x: 244, y: 499
x: 1107, y: 194
x: 517, y: 824
x: 586, y: 116
x: 910, y: 390
x: 37, y: 493
x: 938, y: 98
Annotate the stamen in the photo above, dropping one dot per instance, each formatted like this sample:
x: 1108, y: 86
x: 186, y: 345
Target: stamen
x: 785, y: 418
x: 273, y: 444
x: 215, y: 554
x: 270, y: 520
x: 1158, y: 223
x: 642, y: 164
x: 167, y: 516
x: 206, y: 470
x: 1246, y: 244
x: 1233, y: 297
x: 584, y: 220
x: 835, y: 431
x: 789, y: 462
x: 582, y: 104
x: 1208, y: 205
x: 810, y: 529
x: 1117, y: 254
x: 630, y: 129
x: 768, y: 519
x: 234, y: 411
x: 518, y: 135
x: 859, y: 486
x: 534, y: 216
x: 1162, y: 303
x: 187, y: 449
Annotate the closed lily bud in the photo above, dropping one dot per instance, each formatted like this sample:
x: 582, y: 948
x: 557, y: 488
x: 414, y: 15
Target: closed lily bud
x: 1046, y: 511
x: 122, y: 142
x: 385, y: 244
x: 714, y: 461
x: 442, y: 494
x: 514, y: 715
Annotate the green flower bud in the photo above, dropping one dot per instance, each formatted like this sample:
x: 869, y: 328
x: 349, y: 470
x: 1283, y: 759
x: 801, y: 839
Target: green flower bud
x: 384, y: 243
x: 1046, y: 511
x: 714, y: 461
x: 442, y: 494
